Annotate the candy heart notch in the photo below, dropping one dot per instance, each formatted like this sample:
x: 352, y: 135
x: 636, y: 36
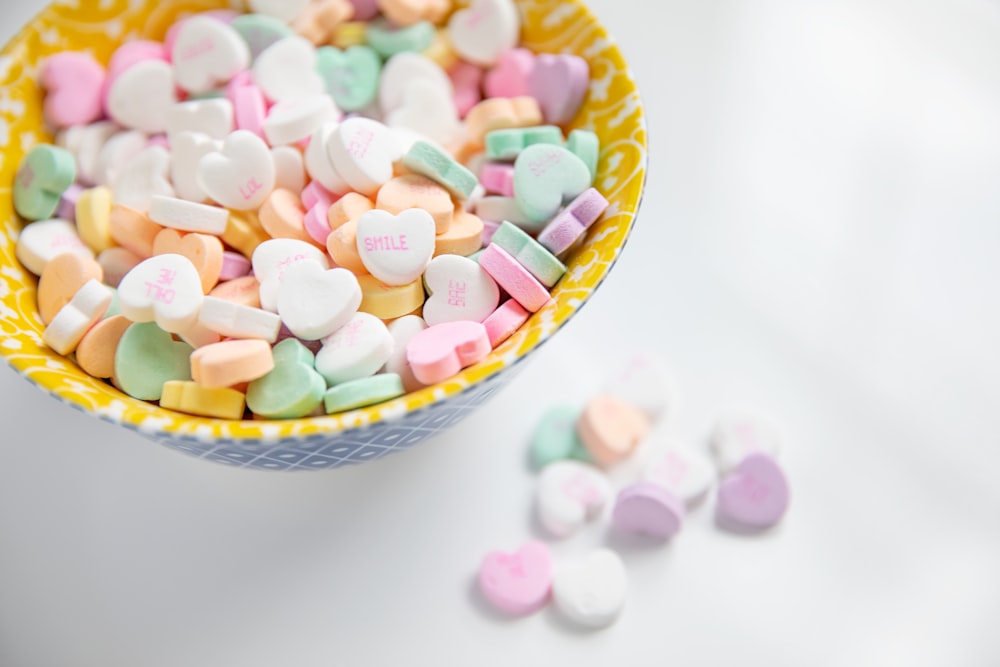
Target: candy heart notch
x: 546, y: 177
x: 241, y: 175
x: 592, y: 592
x: 440, y: 351
x: 459, y: 290
x: 164, y: 288
x: 396, y: 249
x: 293, y: 389
x: 314, y: 302
x: 484, y: 31
x: 570, y: 494
x: 350, y: 76
x: 755, y: 495
x: 73, y: 82
x: 517, y: 583
x: 146, y: 358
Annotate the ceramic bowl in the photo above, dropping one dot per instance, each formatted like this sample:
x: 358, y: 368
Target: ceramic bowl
x: 612, y: 109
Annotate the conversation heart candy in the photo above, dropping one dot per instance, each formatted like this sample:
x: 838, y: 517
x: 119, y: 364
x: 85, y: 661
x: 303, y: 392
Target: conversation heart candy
x: 296, y: 118
x: 39, y: 242
x: 427, y: 159
x: 186, y: 150
x: 319, y: 164
x: 572, y: 222
x: 116, y: 262
x: 93, y: 218
x: 361, y: 392
x: 204, y: 251
x: 96, y: 352
x: 231, y: 362
x: 530, y: 254
x: 146, y: 358
x: 408, y: 12
x: 362, y: 151
x: 164, y: 288
x: 741, y: 433
x: 429, y: 109
x: 546, y: 177
x: 387, y: 302
x: 281, y: 215
x: 396, y: 249
x: 514, y: 278
x: 63, y: 277
x: 287, y: 69
x: 497, y: 113
x: 507, y: 144
x: 504, y: 321
x: 591, y: 592
x: 238, y: 320
x: 356, y: 350
x: 459, y: 289
x: 402, y: 330
x: 206, y: 53
x: 387, y: 39
x: 73, y: 81
x: 412, y: 191
x: 441, y: 351
x: 270, y: 260
x: 146, y: 174
x: 313, y: 302
x: 115, y: 153
x: 44, y: 174
x: 142, y: 96
x: 350, y: 76
x: 86, y: 142
x: 195, y: 399
x: 213, y: 118
x: 611, y: 429
x: 681, y: 470
x: 74, y: 319
x: 570, y: 493
x: 555, y: 437
x: 510, y: 76
x: 648, y: 508
x: 241, y: 175
x: 467, y: 80
x: 464, y: 235
x: 292, y: 389
x: 755, y: 494
x: 289, y: 168
x: 643, y: 381
x: 484, y: 31
x: 517, y: 583
x: 319, y: 21
x: 585, y: 145
x: 403, y: 69
x: 559, y: 83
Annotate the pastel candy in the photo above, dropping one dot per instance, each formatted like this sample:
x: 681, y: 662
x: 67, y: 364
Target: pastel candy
x: 459, y: 289
x: 141, y: 97
x: 314, y: 302
x: 738, y: 434
x: 74, y: 319
x: 231, y: 362
x: 146, y: 174
x: 282, y: 216
x: 467, y: 80
x: 611, y: 429
x: 648, y: 509
x: 499, y: 209
x: 514, y: 278
x: 260, y: 31
x: 361, y: 392
x: 517, y: 583
x: 682, y: 471
x: 585, y: 145
x: 73, y: 81
x: 388, y: 302
x: 402, y: 330
x: 362, y: 151
x: 570, y: 494
x: 206, y: 53
x: 400, y: 71
x: 350, y: 76
x: 559, y: 83
x: 396, y: 249
x: 498, y: 178
x: 441, y: 351
x: 555, y: 437
x: 497, y: 113
x: 356, y: 350
x: 289, y: 168
x: 530, y: 254
x: 294, y: 119
x: 195, y: 399
x: 464, y: 235
x: 507, y: 144
x: 546, y: 177
x: 273, y: 257
x: 292, y: 389
x: 283, y: 10
x: 93, y: 218
x: 755, y: 494
x: 592, y: 592
x: 146, y: 358
x: 244, y: 290
x: 165, y: 288
x: 429, y: 110
x: 504, y: 321
x: 212, y: 118
x: 63, y: 276
x: 510, y: 76
x: 241, y: 175
x: 44, y: 174
x: 133, y: 229
x: 204, y: 251
x: 186, y: 216
x: 238, y: 320
x: 573, y: 221
x: 116, y: 262
x: 425, y: 158
x: 96, y: 352
x: 388, y: 40
x: 416, y: 191
x: 319, y: 20
x: 484, y: 31
x: 39, y: 242
x: 644, y: 382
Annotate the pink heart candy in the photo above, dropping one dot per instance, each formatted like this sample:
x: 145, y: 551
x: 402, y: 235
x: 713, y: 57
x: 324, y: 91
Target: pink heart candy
x: 440, y: 351
x: 74, y: 83
x: 559, y: 83
x: 755, y: 494
x: 510, y: 76
x: 517, y: 583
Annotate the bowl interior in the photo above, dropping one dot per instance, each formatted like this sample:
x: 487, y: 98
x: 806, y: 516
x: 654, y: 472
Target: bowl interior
x: 612, y: 109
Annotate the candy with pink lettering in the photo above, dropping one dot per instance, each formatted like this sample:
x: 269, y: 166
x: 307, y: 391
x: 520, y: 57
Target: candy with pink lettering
x: 165, y: 288
x: 545, y: 178
x: 356, y: 350
x: 517, y: 583
x: 571, y: 494
x: 755, y: 494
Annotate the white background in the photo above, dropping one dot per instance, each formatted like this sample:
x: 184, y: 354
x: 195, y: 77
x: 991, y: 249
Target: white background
x: 819, y: 239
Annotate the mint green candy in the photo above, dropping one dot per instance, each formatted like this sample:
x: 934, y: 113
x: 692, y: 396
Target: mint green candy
x: 260, y: 31
x: 545, y: 178
x: 292, y: 389
x: 555, y: 437
x: 365, y: 391
x: 529, y: 253
x: 146, y: 358
x: 351, y: 76
x: 435, y: 164
x: 508, y: 143
x: 585, y: 145
x: 389, y: 40
x: 44, y: 175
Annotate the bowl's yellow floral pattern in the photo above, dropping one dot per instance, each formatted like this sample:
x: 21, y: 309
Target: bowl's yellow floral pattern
x: 612, y: 109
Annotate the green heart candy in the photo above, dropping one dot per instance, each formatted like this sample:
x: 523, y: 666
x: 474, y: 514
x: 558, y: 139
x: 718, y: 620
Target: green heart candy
x: 585, y: 145
x: 351, y: 76
x: 388, y: 40
x: 146, y: 358
x: 545, y: 178
x: 555, y: 437
x: 44, y: 175
x: 293, y: 389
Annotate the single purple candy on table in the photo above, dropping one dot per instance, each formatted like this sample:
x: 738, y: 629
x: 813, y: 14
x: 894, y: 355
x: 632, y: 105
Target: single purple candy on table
x: 755, y: 494
x: 573, y: 221
x: 650, y: 509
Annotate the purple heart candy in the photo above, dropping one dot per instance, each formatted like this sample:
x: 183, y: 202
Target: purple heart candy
x: 755, y: 494
x: 559, y: 83
x: 650, y: 509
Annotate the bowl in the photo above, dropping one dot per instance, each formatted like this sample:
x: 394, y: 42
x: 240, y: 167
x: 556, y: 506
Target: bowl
x: 612, y: 109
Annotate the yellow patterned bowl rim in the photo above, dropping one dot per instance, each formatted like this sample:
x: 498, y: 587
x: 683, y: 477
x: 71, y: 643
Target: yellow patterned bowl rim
x: 613, y: 110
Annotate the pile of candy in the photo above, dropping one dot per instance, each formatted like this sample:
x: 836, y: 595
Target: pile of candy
x: 311, y: 208
x: 576, y: 448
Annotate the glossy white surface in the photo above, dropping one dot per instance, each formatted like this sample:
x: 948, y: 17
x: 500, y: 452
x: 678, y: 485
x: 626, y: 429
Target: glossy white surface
x: 819, y: 240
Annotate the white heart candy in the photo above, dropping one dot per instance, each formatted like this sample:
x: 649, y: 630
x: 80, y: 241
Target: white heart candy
x: 115, y: 152
x: 142, y: 96
x: 145, y: 175
x: 187, y: 149
x: 214, y: 117
x: 270, y: 260
x: 741, y: 433
x: 314, y: 302
x: 42, y: 240
x: 86, y: 142
x: 241, y: 175
x: 165, y: 288
x: 644, y: 382
x: 289, y: 170
x: 571, y: 493
x: 428, y: 108
x: 73, y: 320
x: 287, y: 69
x: 459, y: 289
x: 681, y: 470
x: 403, y: 329
x: 318, y: 163
x: 207, y: 53
x: 356, y: 350
x: 396, y: 248
x: 592, y: 592
x: 484, y: 31
x: 286, y: 10
x: 362, y: 152
x: 296, y: 118
x: 403, y: 69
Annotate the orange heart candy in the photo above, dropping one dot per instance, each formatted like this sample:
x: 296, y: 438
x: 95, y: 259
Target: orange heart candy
x: 204, y: 251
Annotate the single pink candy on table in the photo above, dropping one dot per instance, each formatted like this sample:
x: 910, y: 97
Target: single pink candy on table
x: 573, y: 221
x: 498, y: 178
x: 517, y: 583
x: 74, y: 84
x: 511, y: 75
x: 650, y: 509
x: 755, y: 494
x: 513, y: 277
x: 441, y: 351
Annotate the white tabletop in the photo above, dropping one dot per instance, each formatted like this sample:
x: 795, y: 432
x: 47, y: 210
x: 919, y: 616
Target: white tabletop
x: 819, y: 239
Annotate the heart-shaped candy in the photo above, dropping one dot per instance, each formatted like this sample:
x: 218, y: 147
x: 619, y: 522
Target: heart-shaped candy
x: 459, y: 290
x: 570, y: 493
x: 206, y: 53
x: 351, y: 76
x: 294, y: 119
x: 402, y: 330
x: 649, y: 509
x: 403, y: 69
x: 517, y: 583
x: 63, y: 277
x: 318, y: 163
x: 164, y: 288
x: 313, y: 302
x: 429, y: 109
x: 74, y: 319
x: 286, y: 10
x: 546, y: 177
x: 611, y: 429
x: 241, y: 175
x: 485, y: 30
x: 213, y: 117
x: 260, y: 31
x: 555, y: 437
x: 41, y: 241
x: 270, y: 260
x: 43, y: 176
x: 592, y: 592
x: 356, y: 350
x: 287, y: 69
x: 681, y: 470
x: 741, y: 433
x: 289, y: 169
x: 363, y: 152
x: 439, y: 352
x: 142, y: 96
x: 572, y: 222
x: 293, y: 389
x: 511, y: 75
x: 186, y: 150
x: 755, y: 494
x: 146, y: 358
x: 203, y: 250
x: 147, y: 174
x: 73, y: 82
x: 559, y: 83
x: 115, y: 153
x: 396, y: 249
